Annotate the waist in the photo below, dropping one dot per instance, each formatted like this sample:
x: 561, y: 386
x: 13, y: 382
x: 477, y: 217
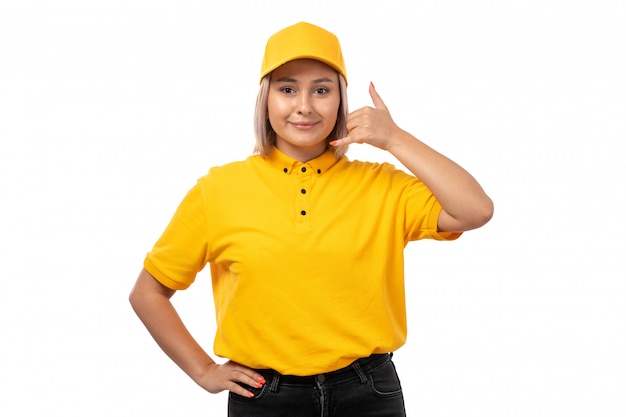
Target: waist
x: 355, y: 370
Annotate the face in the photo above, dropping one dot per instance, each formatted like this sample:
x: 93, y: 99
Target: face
x: 302, y: 104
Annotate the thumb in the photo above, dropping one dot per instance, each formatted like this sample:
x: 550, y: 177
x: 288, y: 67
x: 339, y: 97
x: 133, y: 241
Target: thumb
x: 378, y: 102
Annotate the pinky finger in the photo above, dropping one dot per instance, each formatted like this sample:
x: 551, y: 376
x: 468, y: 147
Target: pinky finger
x: 339, y: 142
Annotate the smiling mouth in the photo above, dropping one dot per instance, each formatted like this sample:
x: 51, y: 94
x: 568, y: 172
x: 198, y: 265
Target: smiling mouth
x: 305, y: 126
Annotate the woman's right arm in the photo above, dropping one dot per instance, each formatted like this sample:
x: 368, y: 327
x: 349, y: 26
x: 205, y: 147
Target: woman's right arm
x: 151, y: 301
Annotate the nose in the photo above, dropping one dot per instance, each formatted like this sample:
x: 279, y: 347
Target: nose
x: 303, y: 104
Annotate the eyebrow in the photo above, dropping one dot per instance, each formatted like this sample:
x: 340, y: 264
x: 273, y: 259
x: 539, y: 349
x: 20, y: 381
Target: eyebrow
x: 293, y: 80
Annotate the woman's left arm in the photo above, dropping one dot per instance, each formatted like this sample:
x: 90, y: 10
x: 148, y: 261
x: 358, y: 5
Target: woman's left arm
x: 465, y: 205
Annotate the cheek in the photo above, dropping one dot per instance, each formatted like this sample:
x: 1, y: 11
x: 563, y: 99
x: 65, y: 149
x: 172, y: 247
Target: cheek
x: 273, y: 116
x: 332, y: 112
x: 276, y: 108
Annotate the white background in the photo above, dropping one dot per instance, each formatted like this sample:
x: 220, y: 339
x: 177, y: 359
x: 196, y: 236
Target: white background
x: 110, y: 111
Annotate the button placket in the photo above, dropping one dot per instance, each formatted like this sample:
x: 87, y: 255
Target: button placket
x: 303, y: 196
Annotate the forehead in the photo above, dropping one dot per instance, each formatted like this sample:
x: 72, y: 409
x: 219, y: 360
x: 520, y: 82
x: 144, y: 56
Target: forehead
x: 303, y: 68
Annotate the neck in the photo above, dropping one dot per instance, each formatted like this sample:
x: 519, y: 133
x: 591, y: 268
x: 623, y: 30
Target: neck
x: 302, y: 154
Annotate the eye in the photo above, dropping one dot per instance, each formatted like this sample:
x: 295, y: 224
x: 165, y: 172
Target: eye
x: 287, y: 90
x: 321, y: 90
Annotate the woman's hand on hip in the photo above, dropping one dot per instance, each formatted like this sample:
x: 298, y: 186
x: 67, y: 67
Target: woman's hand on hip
x: 227, y: 376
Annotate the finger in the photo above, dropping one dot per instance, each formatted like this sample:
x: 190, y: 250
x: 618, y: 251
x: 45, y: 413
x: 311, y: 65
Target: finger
x: 378, y: 102
x: 343, y: 141
x: 239, y: 383
x: 239, y: 390
x: 246, y: 375
x: 252, y: 379
x: 339, y: 142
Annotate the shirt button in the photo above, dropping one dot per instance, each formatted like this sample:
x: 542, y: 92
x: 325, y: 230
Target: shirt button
x: 303, y: 213
x: 319, y: 171
x: 320, y: 378
x: 303, y: 191
x: 303, y: 169
x: 285, y: 170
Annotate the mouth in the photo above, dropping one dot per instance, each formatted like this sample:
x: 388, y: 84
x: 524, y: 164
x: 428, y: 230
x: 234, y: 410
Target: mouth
x: 304, y: 125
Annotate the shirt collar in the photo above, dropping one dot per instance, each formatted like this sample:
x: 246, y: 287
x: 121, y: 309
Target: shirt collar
x: 287, y: 164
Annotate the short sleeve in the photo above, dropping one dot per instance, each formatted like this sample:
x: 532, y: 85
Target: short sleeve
x: 433, y: 220
x: 420, y: 209
x: 181, y: 251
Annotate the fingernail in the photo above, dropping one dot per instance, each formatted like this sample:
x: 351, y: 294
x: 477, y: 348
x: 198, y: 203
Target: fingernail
x: 261, y: 380
x: 372, y: 84
x: 258, y: 384
x: 250, y: 395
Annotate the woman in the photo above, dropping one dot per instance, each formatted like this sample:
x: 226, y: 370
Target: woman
x: 305, y: 246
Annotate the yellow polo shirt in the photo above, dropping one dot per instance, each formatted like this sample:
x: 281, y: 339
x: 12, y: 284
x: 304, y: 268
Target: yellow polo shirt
x: 306, y: 258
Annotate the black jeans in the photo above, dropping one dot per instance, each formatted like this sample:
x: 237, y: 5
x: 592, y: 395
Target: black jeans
x: 367, y: 388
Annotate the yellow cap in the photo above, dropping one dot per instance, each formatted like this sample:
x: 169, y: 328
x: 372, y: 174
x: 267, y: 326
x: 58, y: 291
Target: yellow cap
x: 303, y: 40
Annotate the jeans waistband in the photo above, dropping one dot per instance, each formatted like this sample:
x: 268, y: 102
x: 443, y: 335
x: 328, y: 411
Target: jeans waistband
x: 358, y: 369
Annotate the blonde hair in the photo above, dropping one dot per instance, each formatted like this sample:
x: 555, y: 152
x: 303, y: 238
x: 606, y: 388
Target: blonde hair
x: 265, y: 135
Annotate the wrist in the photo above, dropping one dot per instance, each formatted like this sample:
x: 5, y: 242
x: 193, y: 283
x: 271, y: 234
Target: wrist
x: 399, y: 141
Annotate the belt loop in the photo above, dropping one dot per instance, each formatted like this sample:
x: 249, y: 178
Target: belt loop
x: 275, y: 381
x: 357, y: 368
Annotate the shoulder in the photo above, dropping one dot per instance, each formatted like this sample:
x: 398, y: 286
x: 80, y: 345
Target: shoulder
x: 235, y: 166
x: 378, y: 169
x: 231, y: 171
